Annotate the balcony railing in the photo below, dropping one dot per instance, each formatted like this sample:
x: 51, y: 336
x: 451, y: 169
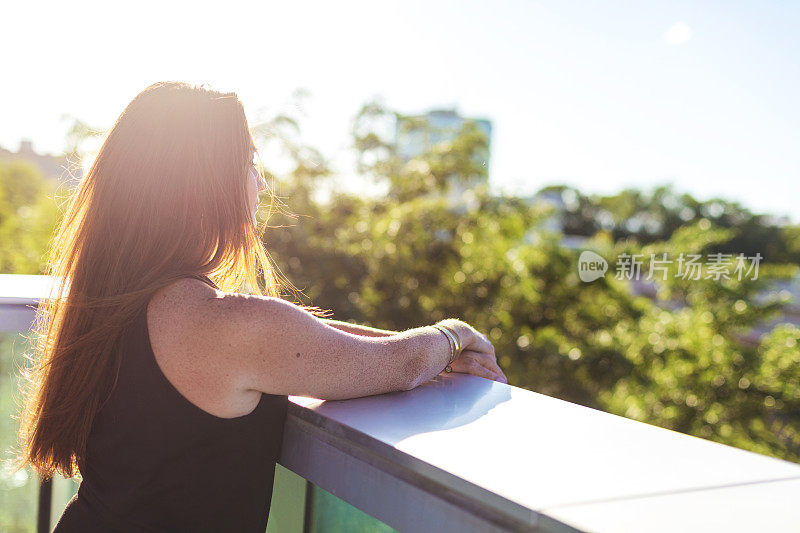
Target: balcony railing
x: 461, y: 453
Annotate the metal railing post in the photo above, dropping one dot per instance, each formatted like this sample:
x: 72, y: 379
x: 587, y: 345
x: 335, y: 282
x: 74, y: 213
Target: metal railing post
x: 45, y: 502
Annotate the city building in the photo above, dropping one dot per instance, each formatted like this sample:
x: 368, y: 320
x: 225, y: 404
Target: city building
x: 416, y: 134
x: 419, y: 134
x: 58, y: 168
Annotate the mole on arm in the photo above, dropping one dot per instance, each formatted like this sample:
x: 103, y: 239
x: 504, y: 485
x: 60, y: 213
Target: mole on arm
x: 297, y: 354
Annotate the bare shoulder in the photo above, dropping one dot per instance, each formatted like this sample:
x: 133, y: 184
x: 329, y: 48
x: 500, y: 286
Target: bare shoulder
x: 180, y: 301
x: 183, y: 319
x: 194, y: 311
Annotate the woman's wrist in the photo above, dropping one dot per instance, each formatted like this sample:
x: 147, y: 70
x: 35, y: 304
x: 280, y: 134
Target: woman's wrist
x: 462, y: 330
x: 458, y: 334
x: 452, y: 344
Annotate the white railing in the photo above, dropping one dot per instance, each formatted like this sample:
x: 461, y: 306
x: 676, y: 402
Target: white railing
x: 462, y: 453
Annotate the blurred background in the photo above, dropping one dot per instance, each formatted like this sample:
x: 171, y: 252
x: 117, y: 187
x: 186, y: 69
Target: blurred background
x: 438, y: 159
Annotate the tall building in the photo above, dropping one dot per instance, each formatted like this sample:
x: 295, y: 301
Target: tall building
x: 418, y: 134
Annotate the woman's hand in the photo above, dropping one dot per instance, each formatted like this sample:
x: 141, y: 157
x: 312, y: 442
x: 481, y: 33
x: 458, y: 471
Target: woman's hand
x: 477, y: 355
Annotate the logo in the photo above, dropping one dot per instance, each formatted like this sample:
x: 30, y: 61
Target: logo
x: 591, y: 266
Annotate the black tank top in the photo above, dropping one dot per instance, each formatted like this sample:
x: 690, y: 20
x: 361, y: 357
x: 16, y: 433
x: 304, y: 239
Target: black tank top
x: 157, y: 462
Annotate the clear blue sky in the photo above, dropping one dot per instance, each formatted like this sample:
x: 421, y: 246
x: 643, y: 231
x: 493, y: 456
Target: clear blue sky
x: 600, y: 95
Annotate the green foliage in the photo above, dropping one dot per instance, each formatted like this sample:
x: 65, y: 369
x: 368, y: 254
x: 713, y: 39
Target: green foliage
x: 654, y: 216
x: 691, y: 372
x: 28, y: 216
x: 422, y: 253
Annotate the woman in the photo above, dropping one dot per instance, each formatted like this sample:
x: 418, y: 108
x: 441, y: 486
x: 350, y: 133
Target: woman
x: 167, y: 391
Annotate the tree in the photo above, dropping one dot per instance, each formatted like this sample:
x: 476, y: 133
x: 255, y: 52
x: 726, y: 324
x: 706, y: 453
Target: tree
x: 690, y: 370
x: 654, y: 216
x: 28, y: 217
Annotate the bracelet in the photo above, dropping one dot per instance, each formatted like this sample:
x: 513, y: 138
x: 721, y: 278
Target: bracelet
x: 453, y: 341
x: 456, y: 338
x: 450, y: 344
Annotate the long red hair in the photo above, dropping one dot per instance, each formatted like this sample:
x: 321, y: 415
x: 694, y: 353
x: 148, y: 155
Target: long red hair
x: 166, y: 197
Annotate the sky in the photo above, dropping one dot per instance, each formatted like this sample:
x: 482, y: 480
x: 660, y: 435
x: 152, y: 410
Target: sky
x: 701, y: 95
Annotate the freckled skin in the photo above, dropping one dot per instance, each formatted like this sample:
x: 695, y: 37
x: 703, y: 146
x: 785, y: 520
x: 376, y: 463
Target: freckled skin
x: 222, y: 350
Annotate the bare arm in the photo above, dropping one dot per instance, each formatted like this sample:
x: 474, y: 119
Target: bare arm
x: 271, y: 345
x: 219, y: 348
x: 356, y: 329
